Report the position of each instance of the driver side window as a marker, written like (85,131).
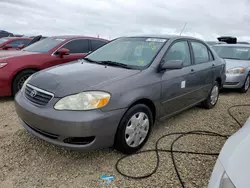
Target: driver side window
(77,46)
(179,51)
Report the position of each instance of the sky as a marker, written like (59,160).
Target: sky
(205,19)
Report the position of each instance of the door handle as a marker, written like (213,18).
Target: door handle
(192,71)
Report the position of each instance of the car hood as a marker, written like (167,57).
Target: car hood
(14,53)
(235,156)
(231,63)
(78,76)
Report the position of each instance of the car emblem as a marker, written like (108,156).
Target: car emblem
(33,93)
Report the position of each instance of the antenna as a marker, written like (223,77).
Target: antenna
(183,28)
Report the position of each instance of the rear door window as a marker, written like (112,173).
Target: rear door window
(78,46)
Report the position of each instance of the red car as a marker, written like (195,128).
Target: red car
(13,43)
(17,66)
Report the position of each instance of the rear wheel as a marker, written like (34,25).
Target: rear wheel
(134,129)
(213,96)
(20,79)
(245,87)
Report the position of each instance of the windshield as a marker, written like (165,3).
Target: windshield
(133,52)
(2,40)
(233,52)
(44,45)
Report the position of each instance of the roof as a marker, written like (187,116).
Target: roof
(75,36)
(234,45)
(13,38)
(164,36)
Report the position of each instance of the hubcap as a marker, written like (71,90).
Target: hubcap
(137,129)
(214,95)
(21,81)
(247,83)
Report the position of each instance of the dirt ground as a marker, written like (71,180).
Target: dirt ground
(26,161)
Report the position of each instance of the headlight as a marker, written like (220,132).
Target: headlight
(25,83)
(226,182)
(238,70)
(3,65)
(83,101)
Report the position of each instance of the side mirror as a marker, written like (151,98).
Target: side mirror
(63,51)
(172,64)
(21,46)
(7,46)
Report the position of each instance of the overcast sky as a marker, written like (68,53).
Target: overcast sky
(206,19)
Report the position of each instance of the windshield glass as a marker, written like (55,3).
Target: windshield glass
(44,45)
(233,52)
(2,40)
(133,52)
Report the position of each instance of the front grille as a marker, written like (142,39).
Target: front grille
(37,96)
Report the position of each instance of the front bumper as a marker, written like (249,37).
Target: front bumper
(234,81)
(217,174)
(72,129)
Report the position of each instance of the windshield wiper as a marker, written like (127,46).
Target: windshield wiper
(92,61)
(113,63)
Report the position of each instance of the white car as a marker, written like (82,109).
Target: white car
(232,169)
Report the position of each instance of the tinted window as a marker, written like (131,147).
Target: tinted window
(179,51)
(135,52)
(200,52)
(95,44)
(77,46)
(3,40)
(233,52)
(44,45)
(16,43)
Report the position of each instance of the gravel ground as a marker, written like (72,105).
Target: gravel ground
(26,161)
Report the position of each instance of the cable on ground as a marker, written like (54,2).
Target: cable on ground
(172,151)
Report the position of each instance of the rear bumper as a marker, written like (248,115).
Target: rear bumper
(234,81)
(95,129)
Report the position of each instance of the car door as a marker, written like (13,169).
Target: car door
(203,70)
(177,85)
(78,48)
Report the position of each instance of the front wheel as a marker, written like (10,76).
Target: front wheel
(245,87)
(134,129)
(20,79)
(213,96)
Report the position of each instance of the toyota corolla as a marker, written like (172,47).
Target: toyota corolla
(113,96)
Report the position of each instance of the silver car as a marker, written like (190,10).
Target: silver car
(113,96)
(237,57)
(232,166)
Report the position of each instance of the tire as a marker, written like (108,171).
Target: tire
(20,79)
(128,131)
(210,102)
(245,87)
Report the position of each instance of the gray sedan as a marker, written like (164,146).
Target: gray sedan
(113,96)
(237,57)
